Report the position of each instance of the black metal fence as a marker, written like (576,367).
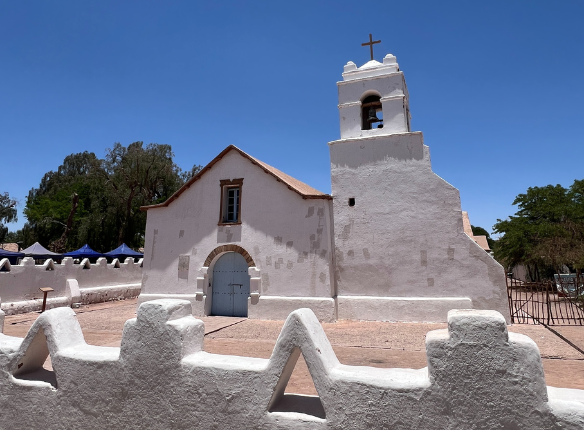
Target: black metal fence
(559,302)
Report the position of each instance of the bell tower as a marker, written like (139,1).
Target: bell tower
(401,253)
(373,99)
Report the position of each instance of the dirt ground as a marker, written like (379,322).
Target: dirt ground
(376,344)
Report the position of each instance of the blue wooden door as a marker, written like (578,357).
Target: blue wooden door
(230,286)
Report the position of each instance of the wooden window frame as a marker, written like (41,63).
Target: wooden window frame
(226,184)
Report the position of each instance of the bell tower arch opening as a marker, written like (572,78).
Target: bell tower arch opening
(373,99)
(371,112)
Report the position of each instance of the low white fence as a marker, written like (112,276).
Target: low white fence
(479,376)
(72,283)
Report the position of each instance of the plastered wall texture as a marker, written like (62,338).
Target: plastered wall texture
(287,237)
(479,376)
(72,283)
(403,239)
(398,254)
(373,79)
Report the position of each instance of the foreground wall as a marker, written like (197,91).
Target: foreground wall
(72,283)
(478,377)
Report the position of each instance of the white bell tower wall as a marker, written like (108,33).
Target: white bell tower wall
(384,80)
(401,253)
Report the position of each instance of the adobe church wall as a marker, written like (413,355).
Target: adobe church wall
(404,237)
(479,376)
(286,236)
(19,284)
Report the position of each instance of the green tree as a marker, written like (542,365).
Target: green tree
(138,176)
(50,206)
(546,233)
(14,237)
(7,213)
(97,201)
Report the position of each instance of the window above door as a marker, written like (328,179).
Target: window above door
(230,210)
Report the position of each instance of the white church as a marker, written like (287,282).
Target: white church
(242,238)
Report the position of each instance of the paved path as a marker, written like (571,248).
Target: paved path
(357,343)
(102,323)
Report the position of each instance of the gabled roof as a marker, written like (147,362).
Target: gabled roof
(5,253)
(123,251)
(84,251)
(13,247)
(305,191)
(482,242)
(36,250)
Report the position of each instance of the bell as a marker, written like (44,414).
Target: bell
(372,116)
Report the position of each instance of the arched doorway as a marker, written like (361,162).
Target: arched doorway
(230,286)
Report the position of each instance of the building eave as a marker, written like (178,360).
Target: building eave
(253,160)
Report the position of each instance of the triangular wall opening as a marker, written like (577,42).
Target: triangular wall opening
(295,391)
(35,364)
(5,265)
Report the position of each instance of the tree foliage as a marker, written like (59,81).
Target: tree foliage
(97,201)
(7,213)
(546,233)
(136,176)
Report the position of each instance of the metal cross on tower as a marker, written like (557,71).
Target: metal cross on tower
(370,44)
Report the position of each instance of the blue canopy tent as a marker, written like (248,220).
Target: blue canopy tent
(84,252)
(12,256)
(123,251)
(38,252)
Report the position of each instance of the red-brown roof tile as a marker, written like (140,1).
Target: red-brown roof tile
(306,191)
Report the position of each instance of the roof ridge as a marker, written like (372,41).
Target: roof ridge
(305,190)
(298,185)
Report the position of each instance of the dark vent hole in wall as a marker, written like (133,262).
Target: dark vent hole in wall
(351,201)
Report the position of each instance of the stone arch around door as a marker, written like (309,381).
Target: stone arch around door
(205,280)
(230,292)
(229,248)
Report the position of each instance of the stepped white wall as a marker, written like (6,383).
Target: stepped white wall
(19,284)
(401,252)
(479,376)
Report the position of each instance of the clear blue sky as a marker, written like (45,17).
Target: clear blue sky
(497,87)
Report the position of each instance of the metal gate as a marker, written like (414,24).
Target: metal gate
(548,303)
(230,286)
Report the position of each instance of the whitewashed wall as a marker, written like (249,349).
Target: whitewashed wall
(287,237)
(19,284)
(479,377)
(404,238)
(373,78)
(401,253)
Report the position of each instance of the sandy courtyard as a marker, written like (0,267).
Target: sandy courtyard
(376,344)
